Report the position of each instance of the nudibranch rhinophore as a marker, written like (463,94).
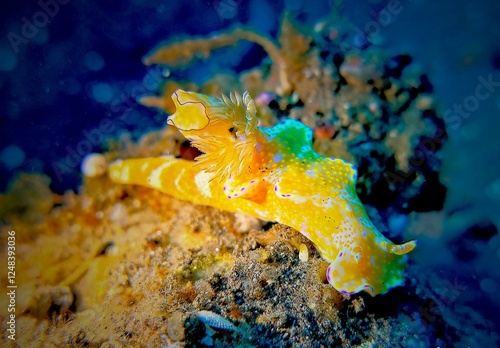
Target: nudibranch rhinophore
(273,174)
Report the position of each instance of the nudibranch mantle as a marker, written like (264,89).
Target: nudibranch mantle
(273,174)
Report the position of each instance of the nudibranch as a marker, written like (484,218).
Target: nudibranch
(275,175)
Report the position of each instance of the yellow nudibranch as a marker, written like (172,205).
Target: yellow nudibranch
(273,174)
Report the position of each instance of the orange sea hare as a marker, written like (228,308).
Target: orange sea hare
(273,174)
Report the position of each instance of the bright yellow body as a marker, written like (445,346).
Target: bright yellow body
(275,175)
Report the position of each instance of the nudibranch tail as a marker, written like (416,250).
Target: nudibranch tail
(179,178)
(166,174)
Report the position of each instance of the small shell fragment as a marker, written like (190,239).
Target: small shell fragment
(215,321)
(94,165)
(303,253)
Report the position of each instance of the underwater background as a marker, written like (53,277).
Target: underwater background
(67,66)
